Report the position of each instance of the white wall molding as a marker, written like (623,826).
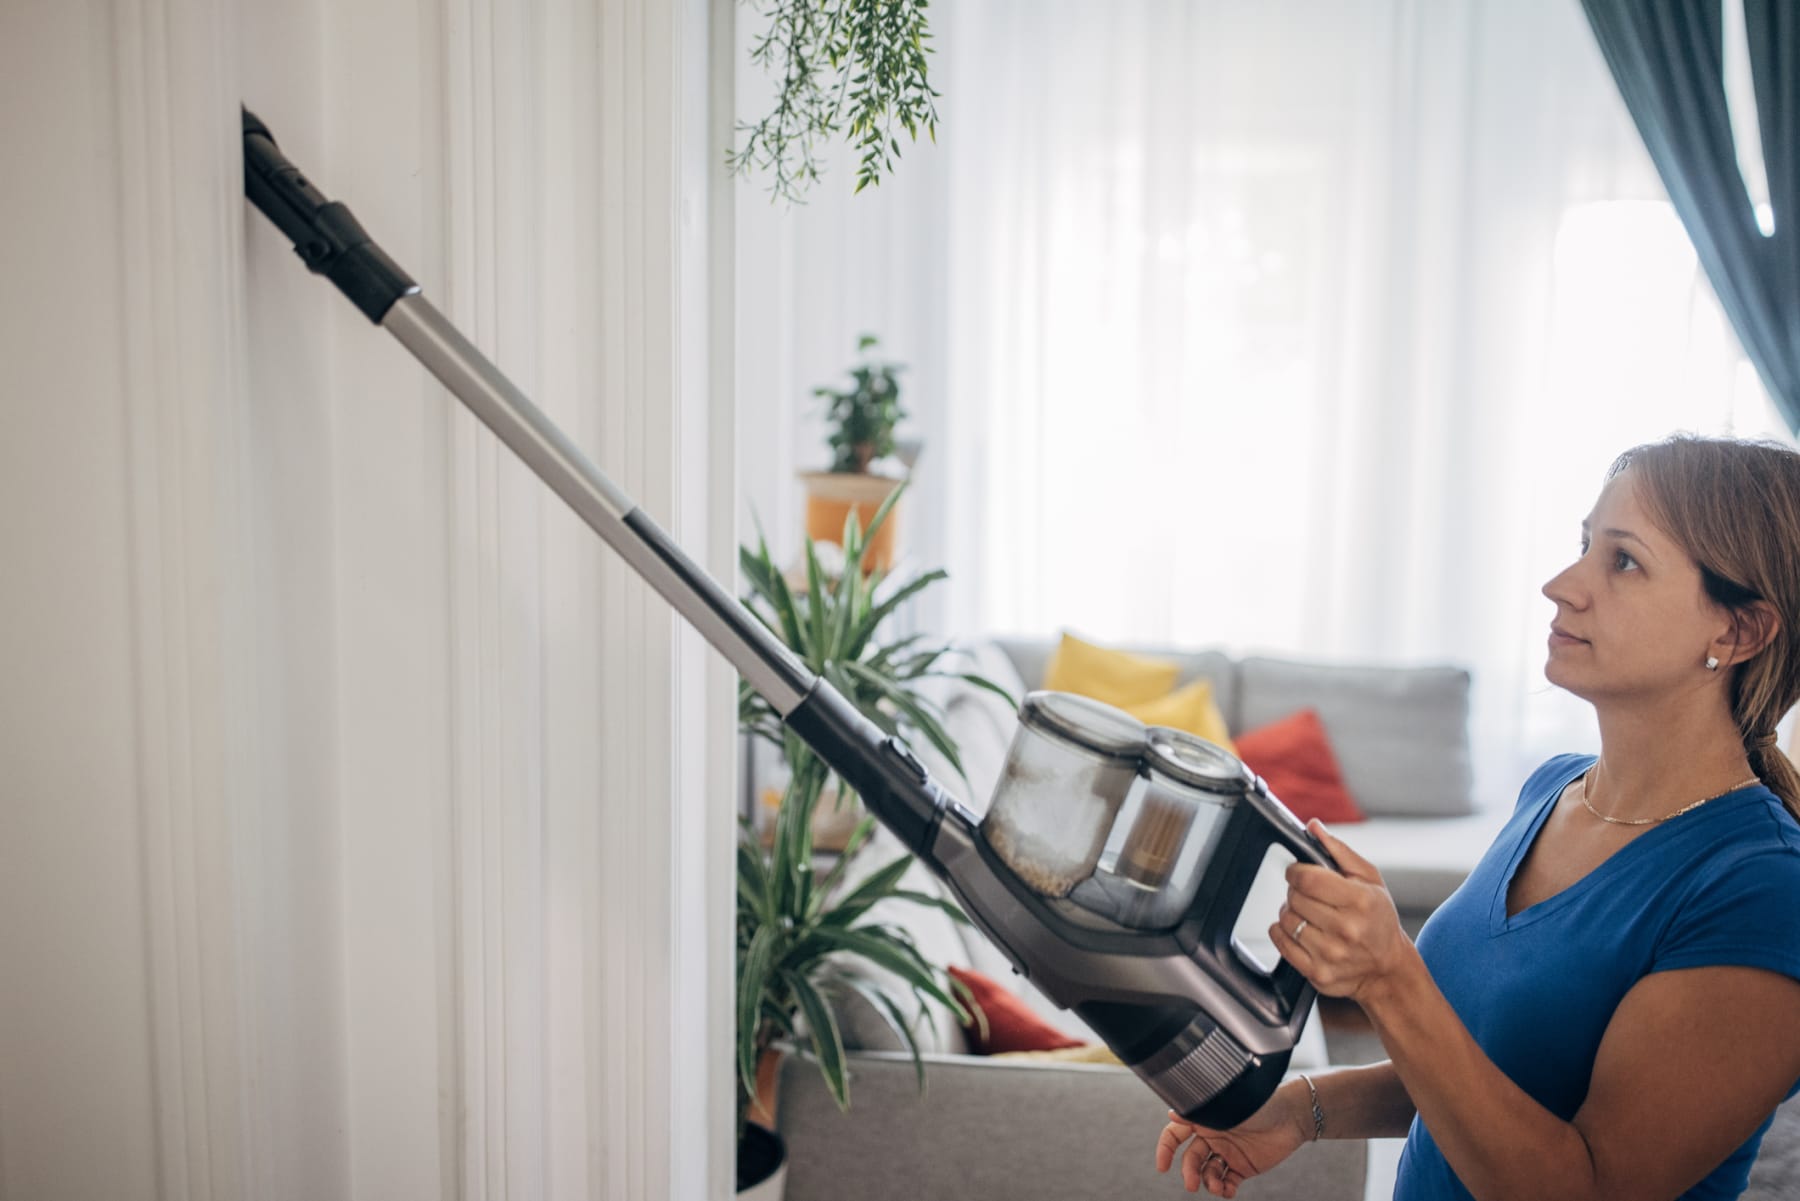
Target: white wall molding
(179,298)
(371,810)
(125,663)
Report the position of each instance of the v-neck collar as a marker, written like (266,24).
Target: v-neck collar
(1498,921)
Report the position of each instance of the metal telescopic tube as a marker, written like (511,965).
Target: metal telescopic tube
(326,235)
(763,660)
(330,241)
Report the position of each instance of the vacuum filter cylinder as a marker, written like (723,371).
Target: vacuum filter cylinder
(1189,788)
(1148,857)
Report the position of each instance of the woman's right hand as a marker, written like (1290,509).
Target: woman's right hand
(1221,1160)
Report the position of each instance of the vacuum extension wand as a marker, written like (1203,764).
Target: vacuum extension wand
(1176,998)
(884,773)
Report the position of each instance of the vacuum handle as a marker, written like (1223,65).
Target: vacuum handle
(1287,829)
(1282,828)
(1257,822)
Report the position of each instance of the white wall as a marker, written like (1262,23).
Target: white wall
(365,828)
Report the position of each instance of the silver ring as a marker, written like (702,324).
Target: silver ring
(1298,930)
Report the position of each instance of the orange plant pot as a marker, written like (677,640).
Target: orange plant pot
(830,495)
(765,1104)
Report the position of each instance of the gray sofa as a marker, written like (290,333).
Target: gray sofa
(996,1128)
(990,1130)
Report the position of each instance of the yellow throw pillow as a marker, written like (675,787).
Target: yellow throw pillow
(1191,708)
(1116,677)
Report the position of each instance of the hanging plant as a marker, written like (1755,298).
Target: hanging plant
(851,67)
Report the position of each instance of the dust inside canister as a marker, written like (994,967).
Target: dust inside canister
(1029,858)
(1049,826)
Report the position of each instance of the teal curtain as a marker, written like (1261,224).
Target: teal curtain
(1668,59)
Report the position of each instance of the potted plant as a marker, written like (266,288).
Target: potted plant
(862,420)
(800,934)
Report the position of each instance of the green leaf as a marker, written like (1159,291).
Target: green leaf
(791,866)
(753,979)
(984,683)
(892,654)
(912,588)
(753,884)
(896,954)
(878,886)
(931,902)
(889,1010)
(827,1040)
(865,829)
(974,1014)
(768,584)
(847,602)
(815,604)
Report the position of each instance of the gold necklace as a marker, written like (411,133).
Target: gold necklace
(1651,821)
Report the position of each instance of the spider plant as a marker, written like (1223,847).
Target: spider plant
(800,934)
(834,625)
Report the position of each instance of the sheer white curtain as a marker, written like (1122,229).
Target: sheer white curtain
(1306,327)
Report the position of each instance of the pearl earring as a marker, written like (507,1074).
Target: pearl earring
(1712,664)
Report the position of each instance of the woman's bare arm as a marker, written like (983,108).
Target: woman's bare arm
(1691,1064)
(1365,1102)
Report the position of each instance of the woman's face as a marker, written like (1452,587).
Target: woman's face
(1632,616)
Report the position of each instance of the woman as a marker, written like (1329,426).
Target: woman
(1610,1005)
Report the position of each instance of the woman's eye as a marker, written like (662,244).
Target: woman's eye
(1623,561)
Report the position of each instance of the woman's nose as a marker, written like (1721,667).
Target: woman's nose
(1564,586)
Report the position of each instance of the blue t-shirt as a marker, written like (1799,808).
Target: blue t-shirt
(1721,885)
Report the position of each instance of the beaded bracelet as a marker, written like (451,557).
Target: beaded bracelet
(1318,1113)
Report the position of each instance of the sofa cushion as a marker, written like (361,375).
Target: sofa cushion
(1423,861)
(1031,656)
(1005,1022)
(1116,677)
(1401,733)
(1189,708)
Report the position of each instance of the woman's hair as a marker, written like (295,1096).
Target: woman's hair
(1734,506)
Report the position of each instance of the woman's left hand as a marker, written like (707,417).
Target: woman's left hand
(1341,931)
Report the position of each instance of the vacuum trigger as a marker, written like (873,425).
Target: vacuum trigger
(899,752)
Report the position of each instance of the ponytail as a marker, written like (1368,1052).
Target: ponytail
(1777,771)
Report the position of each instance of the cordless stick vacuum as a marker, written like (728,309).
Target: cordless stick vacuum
(1114,859)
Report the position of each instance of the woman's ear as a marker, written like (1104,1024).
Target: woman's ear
(1753,627)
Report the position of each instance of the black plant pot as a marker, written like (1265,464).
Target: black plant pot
(760,1155)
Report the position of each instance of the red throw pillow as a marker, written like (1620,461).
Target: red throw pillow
(1011,1026)
(1295,757)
